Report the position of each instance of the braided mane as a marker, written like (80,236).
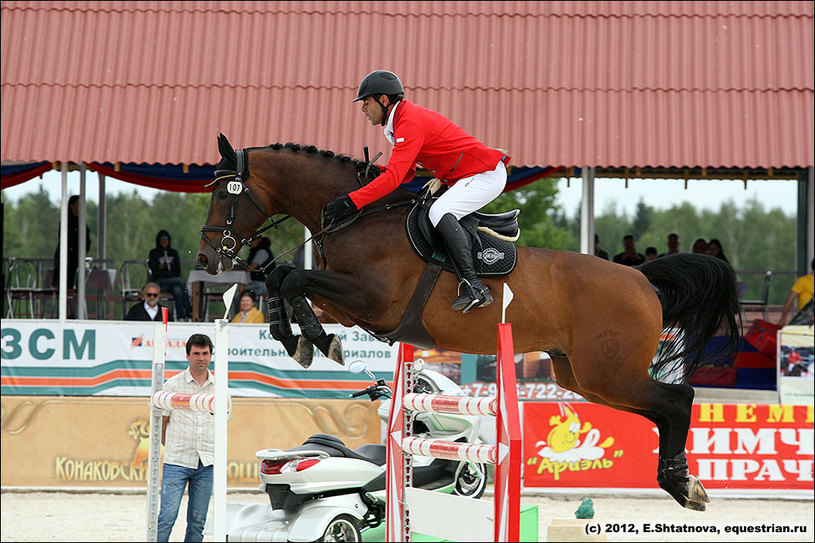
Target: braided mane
(311,149)
(229,157)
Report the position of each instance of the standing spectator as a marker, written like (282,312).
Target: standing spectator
(165,267)
(73,244)
(650,253)
(802,290)
(189,446)
(597,250)
(629,256)
(714,248)
(673,244)
(148,309)
(699,246)
(248,312)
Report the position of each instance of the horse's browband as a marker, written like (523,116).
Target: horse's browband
(239,174)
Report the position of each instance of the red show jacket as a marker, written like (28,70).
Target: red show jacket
(429,138)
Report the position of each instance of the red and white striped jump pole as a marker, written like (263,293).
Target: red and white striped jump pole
(179,401)
(506,455)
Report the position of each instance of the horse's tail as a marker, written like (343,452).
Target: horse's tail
(698,294)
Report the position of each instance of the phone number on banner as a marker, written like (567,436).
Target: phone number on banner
(526,391)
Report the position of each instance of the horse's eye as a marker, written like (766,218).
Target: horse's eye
(222,194)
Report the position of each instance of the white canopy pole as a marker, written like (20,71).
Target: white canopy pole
(82,249)
(101,221)
(63,246)
(307,250)
(587,213)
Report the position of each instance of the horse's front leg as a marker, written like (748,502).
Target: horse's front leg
(296,285)
(298,347)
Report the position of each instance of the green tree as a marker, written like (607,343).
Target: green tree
(753,238)
(642,219)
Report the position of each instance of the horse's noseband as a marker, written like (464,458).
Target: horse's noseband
(226,247)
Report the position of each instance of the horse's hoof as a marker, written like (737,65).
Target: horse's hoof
(335,351)
(290,343)
(695,506)
(304,355)
(690,495)
(696,492)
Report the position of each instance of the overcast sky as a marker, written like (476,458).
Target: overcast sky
(658,193)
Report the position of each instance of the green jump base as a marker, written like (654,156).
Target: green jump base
(528,531)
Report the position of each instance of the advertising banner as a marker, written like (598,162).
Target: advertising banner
(101,358)
(54,442)
(796,365)
(730,446)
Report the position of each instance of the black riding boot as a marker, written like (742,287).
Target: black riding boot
(473,291)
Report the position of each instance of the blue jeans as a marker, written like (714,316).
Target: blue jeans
(174,481)
(178,287)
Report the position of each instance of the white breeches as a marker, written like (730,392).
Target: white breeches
(470,194)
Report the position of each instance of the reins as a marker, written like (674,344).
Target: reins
(238,186)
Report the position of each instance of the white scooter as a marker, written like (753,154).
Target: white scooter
(323,491)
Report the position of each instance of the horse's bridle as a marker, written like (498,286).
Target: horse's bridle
(236,187)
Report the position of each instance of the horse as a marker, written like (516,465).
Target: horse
(601,323)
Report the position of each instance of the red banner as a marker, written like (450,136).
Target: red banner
(733,446)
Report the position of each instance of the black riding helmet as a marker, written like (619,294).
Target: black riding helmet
(380,82)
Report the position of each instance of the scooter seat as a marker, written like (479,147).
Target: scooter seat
(376,454)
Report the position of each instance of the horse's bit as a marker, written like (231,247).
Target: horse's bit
(236,187)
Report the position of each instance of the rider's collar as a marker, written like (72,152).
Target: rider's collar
(389,126)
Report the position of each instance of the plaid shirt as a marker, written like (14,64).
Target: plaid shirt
(190,435)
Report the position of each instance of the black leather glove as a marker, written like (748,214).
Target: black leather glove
(338,208)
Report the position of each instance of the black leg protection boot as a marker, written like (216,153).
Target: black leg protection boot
(279,326)
(473,292)
(312,330)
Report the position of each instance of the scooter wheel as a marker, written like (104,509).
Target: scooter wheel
(471,480)
(342,528)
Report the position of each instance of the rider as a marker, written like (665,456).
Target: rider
(476,172)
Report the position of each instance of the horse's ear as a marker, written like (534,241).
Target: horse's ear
(227,152)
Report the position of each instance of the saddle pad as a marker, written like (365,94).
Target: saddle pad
(491,256)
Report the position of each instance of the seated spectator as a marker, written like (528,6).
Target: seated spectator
(165,267)
(802,290)
(248,312)
(714,248)
(597,250)
(673,244)
(629,256)
(148,309)
(699,246)
(650,253)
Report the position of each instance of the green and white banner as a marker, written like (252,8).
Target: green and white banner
(101,358)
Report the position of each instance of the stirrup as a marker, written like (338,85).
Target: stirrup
(472,297)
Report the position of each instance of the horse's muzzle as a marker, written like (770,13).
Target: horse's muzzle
(212,262)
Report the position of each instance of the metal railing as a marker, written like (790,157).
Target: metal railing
(762,289)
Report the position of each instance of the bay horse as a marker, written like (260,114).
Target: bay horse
(600,322)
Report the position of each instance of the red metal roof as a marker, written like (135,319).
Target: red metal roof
(606,84)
